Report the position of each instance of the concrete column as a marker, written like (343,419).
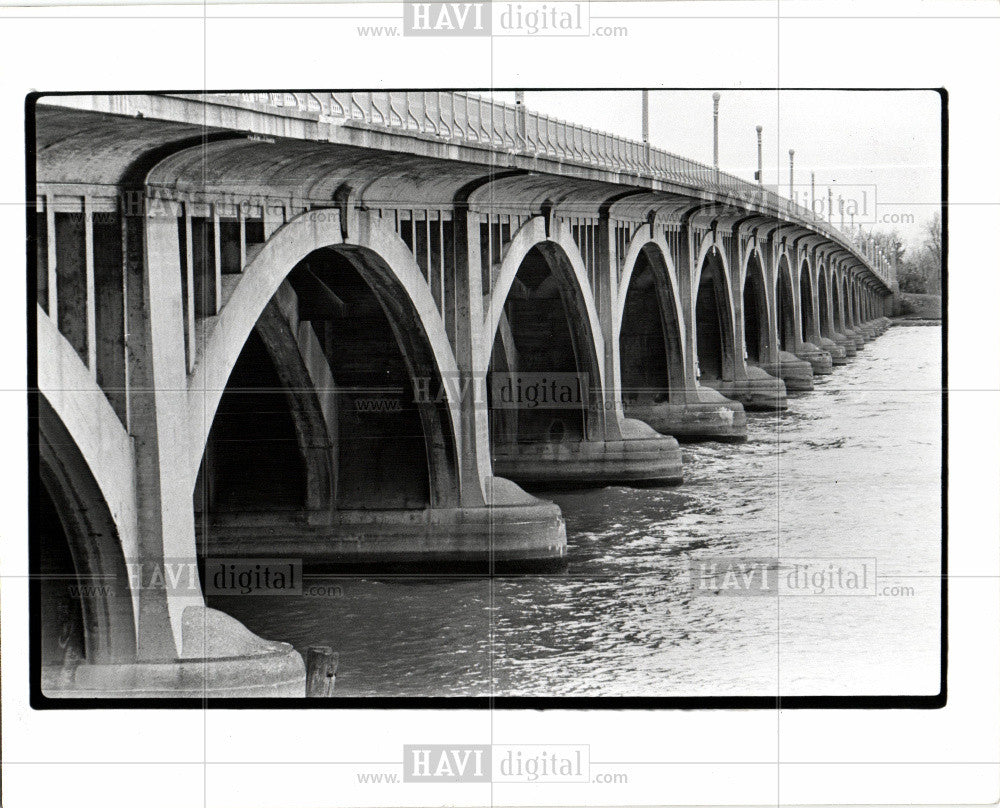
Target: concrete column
(606,300)
(159,428)
(686,270)
(242,219)
(217,255)
(795,266)
(475,464)
(816,332)
(91,295)
(189,288)
(50,231)
(736,297)
(769,268)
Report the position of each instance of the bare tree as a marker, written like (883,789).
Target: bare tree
(933,240)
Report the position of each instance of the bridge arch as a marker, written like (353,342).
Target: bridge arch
(83,581)
(826,325)
(807,311)
(376,274)
(785,305)
(377,251)
(715,334)
(849,311)
(836,294)
(542,320)
(564,253)
(756,309)
(648,326)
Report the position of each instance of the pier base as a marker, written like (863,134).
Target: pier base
(821,361)
(847,343)
(643,458)
(856,338)
(759,391)
(797,374)
(711,417)
(514,528)
(221,658)
(836,351)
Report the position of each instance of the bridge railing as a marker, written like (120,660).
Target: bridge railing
(473,119)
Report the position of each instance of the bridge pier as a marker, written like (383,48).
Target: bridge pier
(846,343)
(706,414)
(855,337)
(641,457)
(761,391)
(838,355)
(820,360)
(512,529)
(796,373)
(220,658)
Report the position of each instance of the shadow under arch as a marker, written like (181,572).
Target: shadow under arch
(81,581)
(650,334)
(808,314)
(386,440)
(756,313)
(785,307)
(544,338)
(838,309)
(826,326)
(714,329)
(849,314)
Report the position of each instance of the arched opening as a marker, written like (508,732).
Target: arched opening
(252,458)
(756,328)
(825,325)
(786,308)
(334,402)
(838,309)
(713,321)
(543,369)
(805,295)
(80,583)
(652,361)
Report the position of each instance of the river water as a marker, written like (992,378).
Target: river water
(852,470)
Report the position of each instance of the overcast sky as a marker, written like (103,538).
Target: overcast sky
(891,140)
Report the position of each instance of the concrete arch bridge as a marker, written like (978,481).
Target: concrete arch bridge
(359,328)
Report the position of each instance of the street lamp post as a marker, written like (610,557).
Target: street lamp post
(645,124)
(715,133)
(760,155)
(812,192)
(520,114)
(645,116)
(791,174)
(829,204)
